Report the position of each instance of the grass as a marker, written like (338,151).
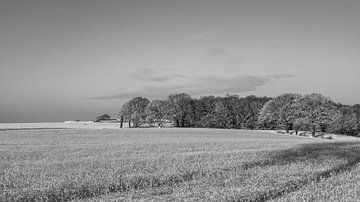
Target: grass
(175,164)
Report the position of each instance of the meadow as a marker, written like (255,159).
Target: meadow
(175,164)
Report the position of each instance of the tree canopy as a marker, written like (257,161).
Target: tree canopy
(289,111)
(134,110)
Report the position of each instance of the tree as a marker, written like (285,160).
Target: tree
(223,116)
(267,116)
(316,111)
(204,109)
(208,104)
(280,112)
(102,117)
(180,109)
(157,112)
(346,121)
(231,111)
(134,110)
(247,111)
(227,109)
(286,109)
(210,121)
(121,121)
(125,113)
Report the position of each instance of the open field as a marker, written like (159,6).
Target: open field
(175,164)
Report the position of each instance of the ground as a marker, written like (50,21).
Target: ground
(175,164)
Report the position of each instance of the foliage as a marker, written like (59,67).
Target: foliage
(346,122)
(267,116)
(210,121)
(315,111)
(157,112)
(180,109)
(280,112)
(134,110)
(289,111)
(232,111)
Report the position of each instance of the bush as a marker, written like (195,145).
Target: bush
(102,117)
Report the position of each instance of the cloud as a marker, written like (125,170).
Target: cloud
(126,95)
(226,56)
(205,36)
(274,43)
(226,85)
(207,42)
(215,85)
(234,61)
(216,50)
(148,92)
(154,75)
(280,76)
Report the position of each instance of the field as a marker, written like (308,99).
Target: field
(175,164)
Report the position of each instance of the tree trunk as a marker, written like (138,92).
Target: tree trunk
(121,121)
(313,128)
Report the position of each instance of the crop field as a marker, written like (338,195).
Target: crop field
(175,164)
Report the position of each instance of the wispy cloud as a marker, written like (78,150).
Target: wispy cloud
(216,50)
(154,75)
(280,76)
(274,43)
(207,41)
(234,60)
(205,36)
(237,84)
(223,54)
(203,86)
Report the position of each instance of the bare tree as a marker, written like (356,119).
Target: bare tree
(134,110)
(157,112)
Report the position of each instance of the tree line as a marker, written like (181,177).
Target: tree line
(230,111)
(312,112)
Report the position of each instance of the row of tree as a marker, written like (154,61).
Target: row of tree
(312,112)
(184,111)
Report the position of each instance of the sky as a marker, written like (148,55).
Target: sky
(76,59)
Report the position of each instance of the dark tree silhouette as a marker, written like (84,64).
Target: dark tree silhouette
(102,117)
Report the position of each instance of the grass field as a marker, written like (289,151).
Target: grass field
(175,164)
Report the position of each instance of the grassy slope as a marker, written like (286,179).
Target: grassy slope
(168,164)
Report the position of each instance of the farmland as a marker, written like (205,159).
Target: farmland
(175,164)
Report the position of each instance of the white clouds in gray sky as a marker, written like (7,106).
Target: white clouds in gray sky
(60,54)
(196,86)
